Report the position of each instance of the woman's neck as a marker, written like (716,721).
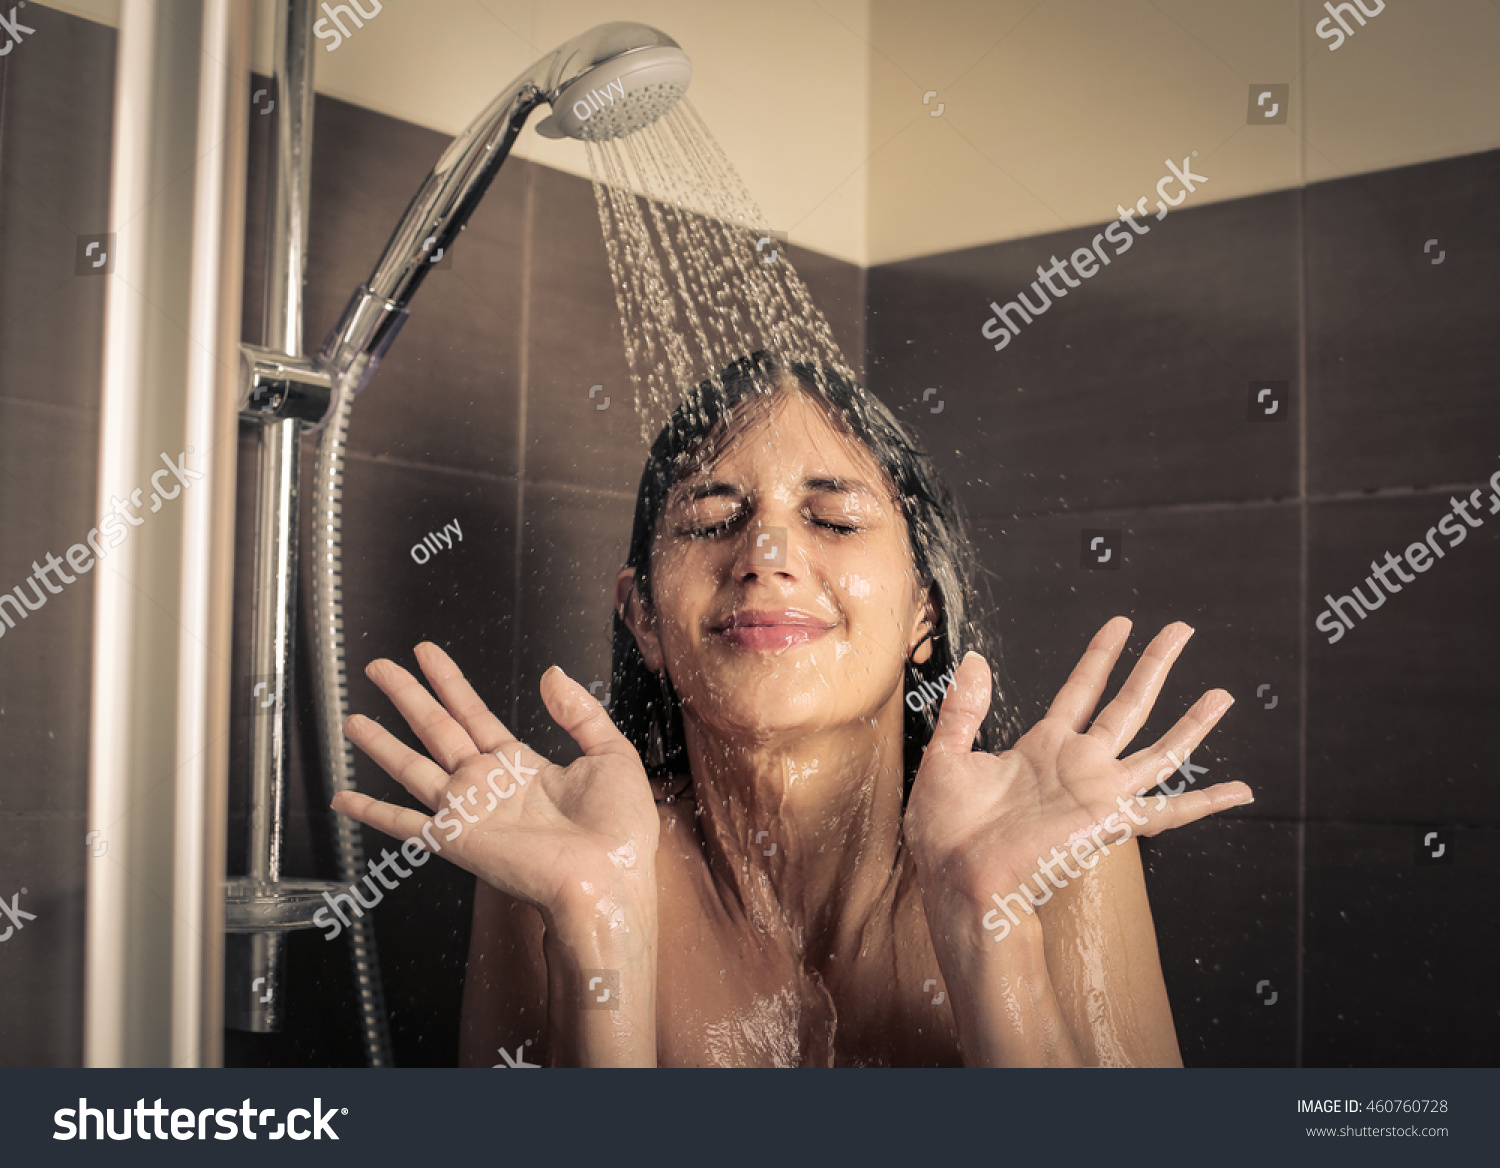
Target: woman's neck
(804,830)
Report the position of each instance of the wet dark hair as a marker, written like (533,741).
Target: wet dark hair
(644,705)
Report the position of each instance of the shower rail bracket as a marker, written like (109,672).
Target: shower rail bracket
(274,386)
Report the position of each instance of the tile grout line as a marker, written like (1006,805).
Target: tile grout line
(1300,499)
(559,485)
(77,413)
(528,223)
(1304,513)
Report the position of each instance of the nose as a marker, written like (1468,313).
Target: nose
(764,552)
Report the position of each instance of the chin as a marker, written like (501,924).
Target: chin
(799,674)
(751,722)
(763,694)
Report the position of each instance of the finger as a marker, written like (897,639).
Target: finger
(1079,695)
(417,773)
(397,822)
(579,713)
(447,741)
(1119,721)
(453,689)
(1180,741)
(964,708)
(1191,806)
(401,823)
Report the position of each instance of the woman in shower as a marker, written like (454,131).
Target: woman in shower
(778,849)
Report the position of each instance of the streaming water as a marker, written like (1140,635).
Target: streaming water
(699,280)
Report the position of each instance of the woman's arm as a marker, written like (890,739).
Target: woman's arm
(518,969)
(1075,979)
(1102,958)
(1004,1003)
(576,844)
(601,982)
(1077,984)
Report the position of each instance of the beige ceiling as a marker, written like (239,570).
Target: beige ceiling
(1052,111)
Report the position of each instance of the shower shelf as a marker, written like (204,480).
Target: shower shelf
(252,906)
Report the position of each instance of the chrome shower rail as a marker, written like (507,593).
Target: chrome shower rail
(284,392)
(605,83)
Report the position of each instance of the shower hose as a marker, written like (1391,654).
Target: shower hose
(333,709)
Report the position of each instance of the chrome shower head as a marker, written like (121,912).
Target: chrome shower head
(605,83)
(614,80)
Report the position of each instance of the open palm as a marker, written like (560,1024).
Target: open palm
(982,823)
(542,833)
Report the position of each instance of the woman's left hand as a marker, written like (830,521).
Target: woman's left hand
(981,824)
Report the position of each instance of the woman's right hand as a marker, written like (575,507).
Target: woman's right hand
(575,842)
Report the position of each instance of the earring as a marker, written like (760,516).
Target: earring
(927,636)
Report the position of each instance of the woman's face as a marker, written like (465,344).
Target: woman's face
(785,597)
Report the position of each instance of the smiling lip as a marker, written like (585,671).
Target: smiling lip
(756,631)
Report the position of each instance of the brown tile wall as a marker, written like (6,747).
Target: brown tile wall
(56,98)
(1125,407)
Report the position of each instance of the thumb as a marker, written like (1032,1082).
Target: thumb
(579,713)
(964,708)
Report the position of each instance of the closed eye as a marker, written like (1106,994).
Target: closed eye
(712,530)
(724,526)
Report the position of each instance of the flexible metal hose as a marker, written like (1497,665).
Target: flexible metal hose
(333,709)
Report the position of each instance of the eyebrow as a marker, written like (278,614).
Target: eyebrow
(815,484)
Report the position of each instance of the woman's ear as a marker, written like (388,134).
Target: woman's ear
(920,649)
(638,620)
